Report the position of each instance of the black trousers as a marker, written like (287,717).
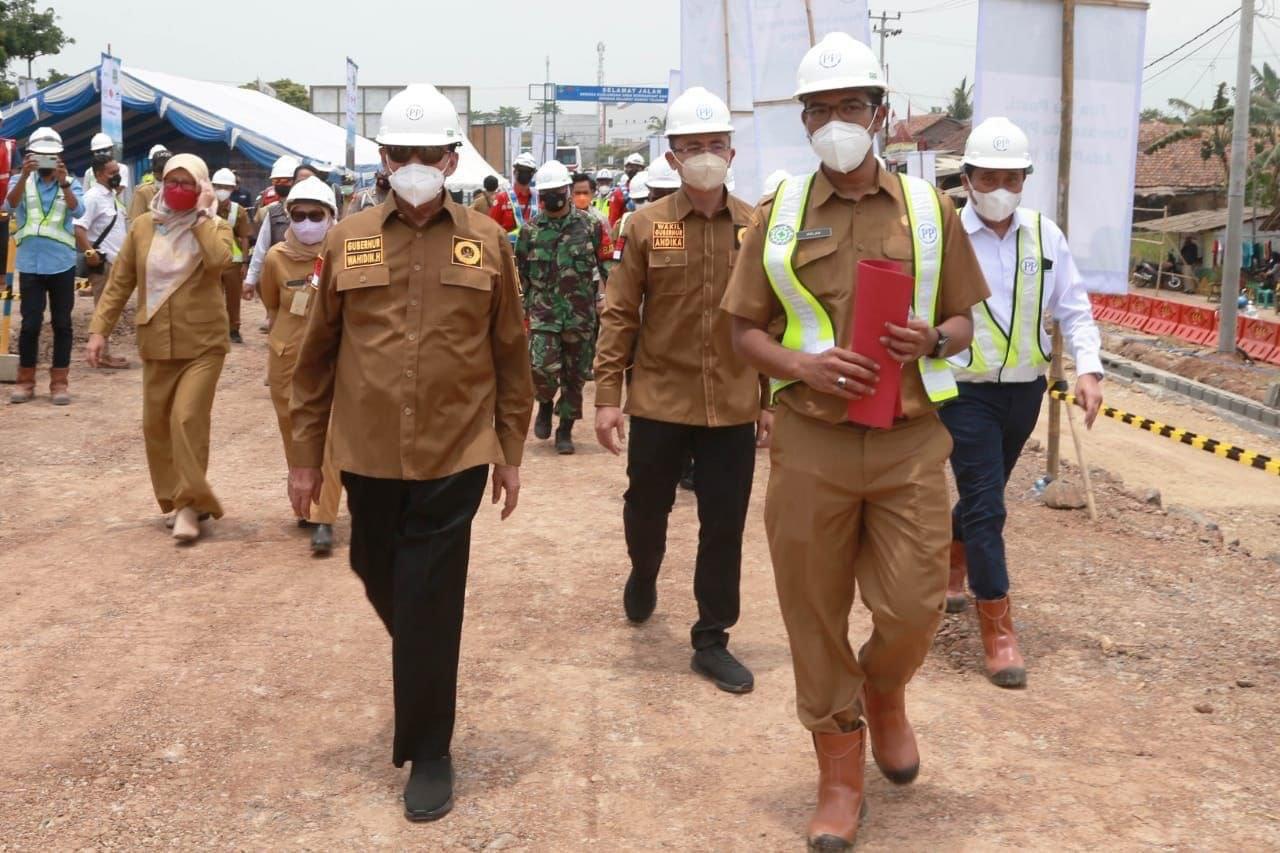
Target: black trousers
(725,459)
(410,544)
(59,292)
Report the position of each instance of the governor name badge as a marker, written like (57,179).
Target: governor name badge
(362,252)
(467,252)
(667,235)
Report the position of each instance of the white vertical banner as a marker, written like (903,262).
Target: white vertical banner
(1019,75)
(538,146)
(352,97)
(514,135)
(112,105)
(923,164)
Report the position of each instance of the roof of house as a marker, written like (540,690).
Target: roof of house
(1196,222)
(1178,167)
(938,131)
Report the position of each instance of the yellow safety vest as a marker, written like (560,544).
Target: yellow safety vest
(237,253)
(1020,353)
(809,328)
(42,223)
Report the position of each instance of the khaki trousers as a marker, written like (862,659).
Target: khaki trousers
(280,378)
(177,409)
(852,508)
(233,287)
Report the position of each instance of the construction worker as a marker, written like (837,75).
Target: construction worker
(558,256)
(281,178)
(100,234)
(690,392)
(371,197)
(149,186)
(638,195)
(273,221)
(620,201)
(287,295)
(174,256)
(483,201)
(604,190)
(101,146)
(1032,278)
(512,217)
(46,202)
(661,181)
(224,184)
(415,346)
(849,507)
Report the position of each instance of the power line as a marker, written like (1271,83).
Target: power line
(1190,40)
(1225,33)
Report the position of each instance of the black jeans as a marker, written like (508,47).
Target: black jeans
(59,291)
(989,424)
(410,544)
(725,459)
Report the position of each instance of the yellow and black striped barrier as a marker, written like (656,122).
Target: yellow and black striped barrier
(1183,436)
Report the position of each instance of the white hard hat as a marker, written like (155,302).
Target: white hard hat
(100,142)
(526,160)
(661,176)
(284,166)
(839,61)
(604,175)
(419,115)
(633,160)
(552,176)
(158,149)
(697,111)
(224,178)
(312,189)
(45,140)
(997,143)
(775,180)
(639,186)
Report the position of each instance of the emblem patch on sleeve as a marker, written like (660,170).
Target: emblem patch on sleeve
(362,252)
(467,252)
(739,234)
(667,235)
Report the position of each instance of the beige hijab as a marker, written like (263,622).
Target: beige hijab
(308,189)
(175,255)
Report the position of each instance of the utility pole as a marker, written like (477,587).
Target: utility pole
(1235,187)
(600,82)
(884,31)
(1056,373)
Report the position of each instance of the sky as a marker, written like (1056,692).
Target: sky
(500,46)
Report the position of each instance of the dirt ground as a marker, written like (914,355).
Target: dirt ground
(235,695)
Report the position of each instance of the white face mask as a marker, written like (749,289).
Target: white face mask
(841,146)
(997,205)
(309,233)
(222,195)
(704,171)
(417,184)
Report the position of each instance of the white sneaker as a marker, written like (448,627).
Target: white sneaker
(186,525)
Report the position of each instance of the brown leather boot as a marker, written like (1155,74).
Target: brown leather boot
(59,392)
(956,600)
(834,824)
(25,385)
(1005,666)
(893,743)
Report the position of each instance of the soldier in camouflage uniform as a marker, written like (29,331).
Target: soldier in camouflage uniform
(558,256)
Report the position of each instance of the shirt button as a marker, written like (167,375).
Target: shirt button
(417,235)
(859,247)
(412,336)
(408,411)
(417,267)
(409,373)
(364,278)
(413,303)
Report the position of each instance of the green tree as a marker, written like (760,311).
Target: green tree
(961,106)
(1157,114)
(292,93)
(546,107)
(1264,127)
(28,33)
(509,116)
(1211,125)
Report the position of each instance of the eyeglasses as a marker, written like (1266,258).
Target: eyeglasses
(718,148)
(424,153)
(304,215)
(850,110)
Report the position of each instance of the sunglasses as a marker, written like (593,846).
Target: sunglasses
(303,216)
(423,153)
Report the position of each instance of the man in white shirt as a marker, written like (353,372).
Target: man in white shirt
(100,233)
(1033,280)
(99,147)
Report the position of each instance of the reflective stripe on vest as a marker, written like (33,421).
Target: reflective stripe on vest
(1019,354)
(41,223)
(237,253)
(809,328)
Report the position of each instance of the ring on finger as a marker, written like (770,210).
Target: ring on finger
(841,381)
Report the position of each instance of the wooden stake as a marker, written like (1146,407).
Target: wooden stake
(1064,209)
(1084,465)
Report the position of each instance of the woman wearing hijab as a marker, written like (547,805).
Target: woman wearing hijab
(174,255)
(287,286)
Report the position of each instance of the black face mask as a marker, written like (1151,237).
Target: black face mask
(383,182)
(523,177)
(157,166)
(114,181)
(553,202)
(282,190)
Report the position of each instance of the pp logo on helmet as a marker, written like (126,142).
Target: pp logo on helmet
(1000,143)
(830,58)
(704,112)
(1030,266)
(413,112)
(928,233)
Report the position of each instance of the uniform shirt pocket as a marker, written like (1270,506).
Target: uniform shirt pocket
(668,271)
(474,278)
(362,277)
(897,247)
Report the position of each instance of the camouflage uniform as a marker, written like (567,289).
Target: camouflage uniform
(559,260)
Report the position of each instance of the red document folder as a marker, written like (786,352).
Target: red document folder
(883,295)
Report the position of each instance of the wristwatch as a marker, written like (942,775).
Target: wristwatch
(940,348)
(66,185)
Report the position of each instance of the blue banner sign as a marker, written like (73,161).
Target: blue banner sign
(613,94)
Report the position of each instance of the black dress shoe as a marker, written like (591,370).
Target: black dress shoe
(428,795)
(322,539)
(564,437)
(640,597)
(716,663)
(303,524)
(542,423)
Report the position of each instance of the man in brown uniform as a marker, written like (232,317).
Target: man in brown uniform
(484,199)
(690,392)
(416,346)
(850,507)
(147,189)
(224,184)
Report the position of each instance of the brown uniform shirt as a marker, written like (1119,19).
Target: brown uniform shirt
(242,230)
(482,203)
(141,201)
(287,298)
(663,299)
(193,320)
(416,343)
(875,226)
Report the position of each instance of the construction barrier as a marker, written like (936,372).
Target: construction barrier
(1209,445)
(1259,338)
(1166,315)
(1197,325)
(1138,311)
